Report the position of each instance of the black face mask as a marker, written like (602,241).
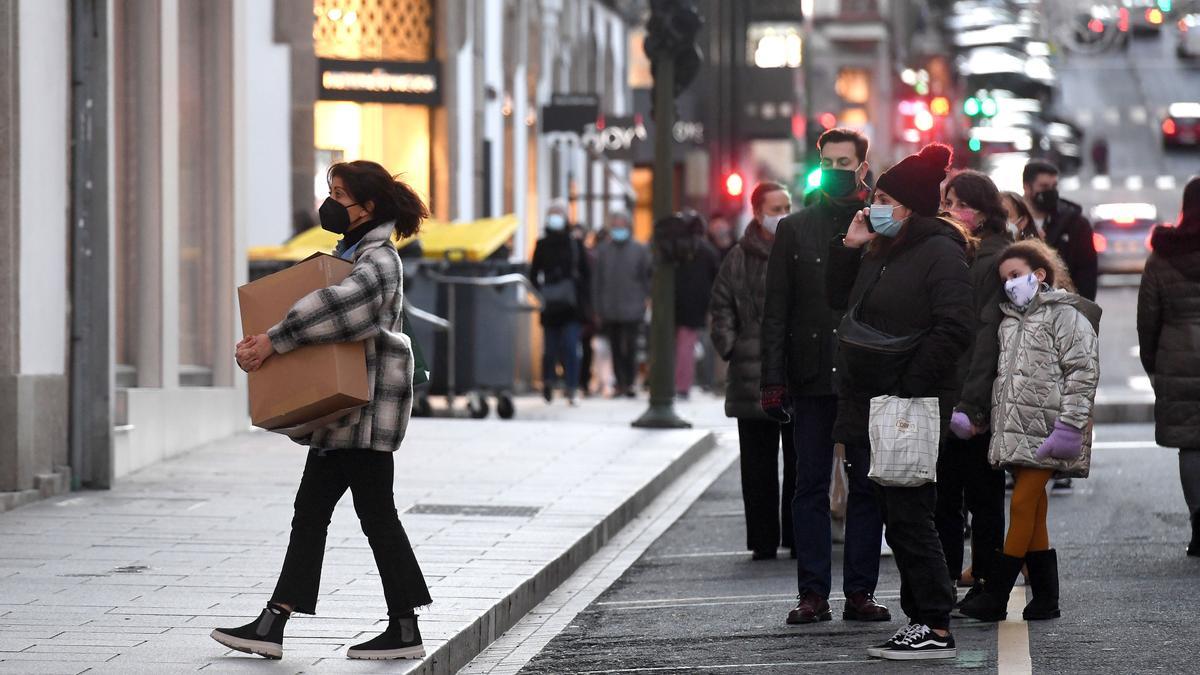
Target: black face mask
(335,217)
(1046,201)
(838,183)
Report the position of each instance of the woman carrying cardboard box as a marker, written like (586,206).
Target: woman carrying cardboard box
(365,205)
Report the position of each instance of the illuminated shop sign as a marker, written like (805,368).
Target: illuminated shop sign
(410,82)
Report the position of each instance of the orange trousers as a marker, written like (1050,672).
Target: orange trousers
(1027,514)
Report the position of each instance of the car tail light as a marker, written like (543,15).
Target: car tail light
(1123,20)
(1124,220)
(1183,27)
(1096,26)
(1154,15)
(1168,127)
(1100,243)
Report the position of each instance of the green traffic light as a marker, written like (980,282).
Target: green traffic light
(988,107)
(814,179)
(1164,5)
(971,107)
(974,145)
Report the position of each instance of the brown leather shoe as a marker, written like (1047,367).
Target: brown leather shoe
(811,609)
(861,606)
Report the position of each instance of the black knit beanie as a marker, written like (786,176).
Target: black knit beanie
(916,180)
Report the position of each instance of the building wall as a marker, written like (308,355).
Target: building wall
(268,133)
(44,185)
(33,387)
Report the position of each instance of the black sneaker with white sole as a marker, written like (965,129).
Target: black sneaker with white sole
(401,640)
(919,643)
(263,636)
(878,650)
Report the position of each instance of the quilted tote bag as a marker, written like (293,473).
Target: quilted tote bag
(904,433)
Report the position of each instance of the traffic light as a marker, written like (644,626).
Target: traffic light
(813,180)
(940,106)
(980,105)
(974,145)
(734,185)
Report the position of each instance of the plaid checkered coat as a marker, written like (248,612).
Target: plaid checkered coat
(365,306)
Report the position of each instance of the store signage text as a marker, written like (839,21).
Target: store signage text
(416,83)
(614,135)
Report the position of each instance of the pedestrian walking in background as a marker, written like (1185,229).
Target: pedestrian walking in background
(365,205)
(737,310)
(1042,404)
(1062,225)
(1168,322)
(1100,156)
(590,239)
(905,275)
(560,272)
(799,344)
(621,283)
(721,233)
(964,475)
(694,279)
(1020,220)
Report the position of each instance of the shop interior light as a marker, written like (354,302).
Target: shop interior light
(908,76)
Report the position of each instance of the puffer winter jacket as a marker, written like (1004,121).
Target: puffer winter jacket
(1168,323)
(1048,371)
(737,313)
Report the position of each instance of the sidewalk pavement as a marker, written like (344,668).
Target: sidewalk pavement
(133,579)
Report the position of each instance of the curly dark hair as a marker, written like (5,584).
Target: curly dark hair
(980,193)
(390,198)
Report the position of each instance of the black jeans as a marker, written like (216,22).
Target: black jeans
(622,337)
(965,477)
(766,506)
(813,420)
(926,595)
(368,475)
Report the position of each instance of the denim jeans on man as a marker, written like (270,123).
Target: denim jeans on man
(814,418)
(368,474)
(562,348)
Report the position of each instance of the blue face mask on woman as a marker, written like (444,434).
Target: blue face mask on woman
(883,222)
(621,234)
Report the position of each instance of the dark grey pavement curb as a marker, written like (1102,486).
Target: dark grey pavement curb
(1133,411)
(459,650)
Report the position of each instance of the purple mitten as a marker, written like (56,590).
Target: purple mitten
(1065,442)
(960,425)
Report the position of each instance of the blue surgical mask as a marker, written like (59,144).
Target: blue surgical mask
(556,221)
(883,222)
(621,234)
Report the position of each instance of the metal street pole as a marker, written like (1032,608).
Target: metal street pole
(661,413)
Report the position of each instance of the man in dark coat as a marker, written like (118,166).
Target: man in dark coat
(1168,322)
(799,343)
(694,279)
(1063,224)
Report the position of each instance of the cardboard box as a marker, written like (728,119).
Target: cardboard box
(312,386)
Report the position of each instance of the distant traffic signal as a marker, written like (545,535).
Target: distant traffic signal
(980,105)
(734,185)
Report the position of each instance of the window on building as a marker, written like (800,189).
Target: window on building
(640,76)
(774,45)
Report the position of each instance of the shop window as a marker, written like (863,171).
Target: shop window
(774,45)
(392,30)
(854,85)
(640,76)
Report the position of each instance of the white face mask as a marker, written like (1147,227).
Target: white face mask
(556,221)
(1022,290)
(771,223)
(1014,230)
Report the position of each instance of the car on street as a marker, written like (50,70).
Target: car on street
(1145,16)
(1181,126)
(1122,236)
(1010,69)
(1187,45)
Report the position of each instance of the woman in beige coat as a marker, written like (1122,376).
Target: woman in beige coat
(1041,417)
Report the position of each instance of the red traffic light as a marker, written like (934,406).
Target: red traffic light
(734,185)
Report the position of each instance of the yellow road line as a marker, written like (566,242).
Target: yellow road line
(1012,641)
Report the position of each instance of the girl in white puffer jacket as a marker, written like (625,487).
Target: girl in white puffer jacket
(1042,403)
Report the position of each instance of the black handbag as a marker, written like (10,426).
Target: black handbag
(874,360)
(563,295)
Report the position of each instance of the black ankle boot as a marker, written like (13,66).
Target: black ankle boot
(992,603)
(1194,547)
(263,636)
(401,640)
(1043,582)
